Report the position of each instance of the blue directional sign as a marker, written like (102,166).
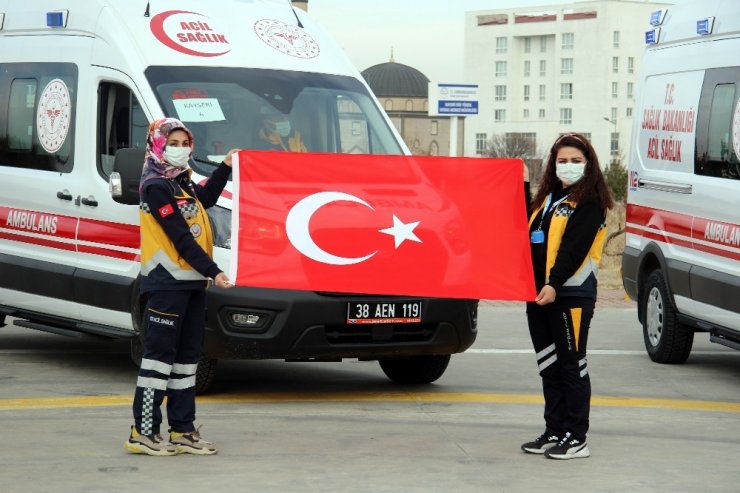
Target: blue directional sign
(453,99)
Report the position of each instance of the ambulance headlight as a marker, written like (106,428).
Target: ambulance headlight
(220,225)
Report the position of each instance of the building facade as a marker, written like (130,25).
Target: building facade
(544,71)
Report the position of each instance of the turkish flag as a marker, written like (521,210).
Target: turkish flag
(378,224)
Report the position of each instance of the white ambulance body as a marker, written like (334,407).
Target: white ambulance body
(82,79)
(682,257)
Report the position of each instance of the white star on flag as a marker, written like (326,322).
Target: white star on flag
(401,231)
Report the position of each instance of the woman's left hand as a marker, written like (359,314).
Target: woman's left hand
(227,158)
(546,296)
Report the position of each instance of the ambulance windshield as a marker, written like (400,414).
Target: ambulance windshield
(271,110)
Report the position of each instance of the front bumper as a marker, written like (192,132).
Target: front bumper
(305,325)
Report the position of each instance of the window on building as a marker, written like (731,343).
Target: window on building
(500,93)
(615,64)
(527,68)
(543,44)
(526,92)
(525,114)
(541,113)
(499,115)
(543,90)
(500,69)
(527,44)
(409,105)
(434,148)
(566,66)
(614,114)
(631,65)
(628,113)
(615,89)
(566,91)
(567,43)
(543,68)
(388,105)
(501,45)
(630,90)
(615,39)
(481,143)
(566,116)
(434,130)
(614,146)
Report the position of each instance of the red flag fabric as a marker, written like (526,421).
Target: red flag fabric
(378,224)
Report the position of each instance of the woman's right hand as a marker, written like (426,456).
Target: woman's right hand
(222,281)
(547,295)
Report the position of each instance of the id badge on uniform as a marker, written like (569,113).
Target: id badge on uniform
(537,236)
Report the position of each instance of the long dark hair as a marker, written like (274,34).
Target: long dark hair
(591,186)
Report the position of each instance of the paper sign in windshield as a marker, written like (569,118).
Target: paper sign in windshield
(199,110)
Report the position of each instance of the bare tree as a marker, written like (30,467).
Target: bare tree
(517,145)
(513,145)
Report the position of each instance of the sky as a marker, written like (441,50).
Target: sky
(425,34)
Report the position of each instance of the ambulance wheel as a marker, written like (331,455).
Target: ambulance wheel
(205,373)
(666,340)
(415,369)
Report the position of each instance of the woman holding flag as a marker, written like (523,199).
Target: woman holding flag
(567,232)
(176,268)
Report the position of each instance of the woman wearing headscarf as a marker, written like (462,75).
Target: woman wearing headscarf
(176,268)
(567,231)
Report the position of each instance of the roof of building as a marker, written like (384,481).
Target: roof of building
(393,79)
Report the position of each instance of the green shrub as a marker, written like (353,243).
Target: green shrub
(616,177)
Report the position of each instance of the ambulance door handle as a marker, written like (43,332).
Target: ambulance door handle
(65,195)
(89,201)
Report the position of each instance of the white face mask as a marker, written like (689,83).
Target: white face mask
(283,128)
(569,173)
(177,156)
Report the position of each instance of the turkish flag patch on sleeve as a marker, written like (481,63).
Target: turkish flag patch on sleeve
(166,210)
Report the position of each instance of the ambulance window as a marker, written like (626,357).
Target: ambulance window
(121,123)
(719,158)
(20,114)
(40,115)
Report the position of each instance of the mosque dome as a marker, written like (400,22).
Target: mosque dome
(393,79)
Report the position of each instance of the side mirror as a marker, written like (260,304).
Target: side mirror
(124,180)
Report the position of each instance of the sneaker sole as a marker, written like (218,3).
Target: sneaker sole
(184,449)
(540,450)
(143,449)
(581,454)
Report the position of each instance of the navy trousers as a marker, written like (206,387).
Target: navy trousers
(174,341)
(559,332)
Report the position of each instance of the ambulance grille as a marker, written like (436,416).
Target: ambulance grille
(379,333)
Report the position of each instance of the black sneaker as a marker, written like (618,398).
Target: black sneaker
(568,448)
(541,443)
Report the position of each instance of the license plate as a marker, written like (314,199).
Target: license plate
(384,312)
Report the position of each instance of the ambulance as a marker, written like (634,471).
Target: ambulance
(681,262)
(80,82)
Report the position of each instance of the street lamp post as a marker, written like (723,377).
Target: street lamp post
(613,122)
(613,150)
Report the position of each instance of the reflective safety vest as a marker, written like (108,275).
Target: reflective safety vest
(590,265)
(158,250)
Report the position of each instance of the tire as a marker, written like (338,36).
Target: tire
(205,374)
(415,369)
(666,340)
(206,371)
